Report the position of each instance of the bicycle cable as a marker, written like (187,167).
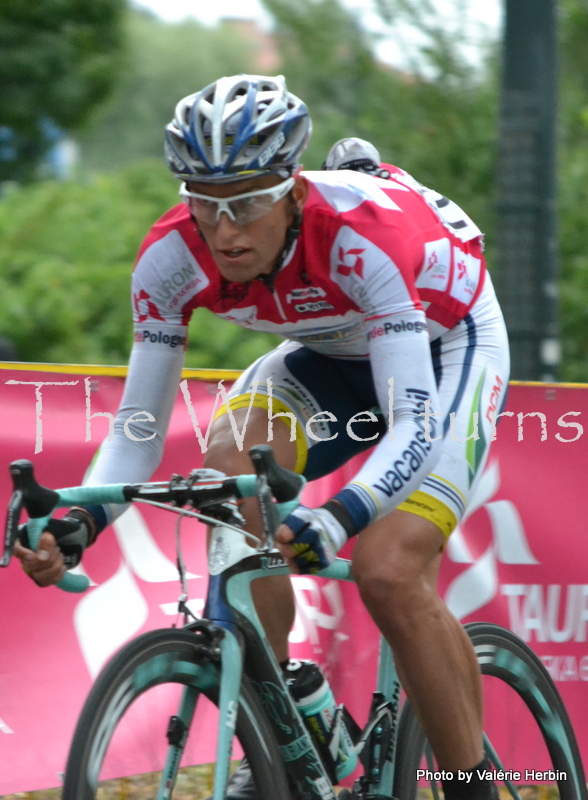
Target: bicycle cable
(203,518)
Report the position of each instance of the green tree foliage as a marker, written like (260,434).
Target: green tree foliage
(61,245)
(436,119)
(165,63)
(58,60)
(67,252)
(328,61)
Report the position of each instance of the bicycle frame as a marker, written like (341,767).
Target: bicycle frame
(245,649)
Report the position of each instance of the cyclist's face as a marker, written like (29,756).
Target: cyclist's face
(242,252)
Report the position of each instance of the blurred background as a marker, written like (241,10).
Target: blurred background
(88,87)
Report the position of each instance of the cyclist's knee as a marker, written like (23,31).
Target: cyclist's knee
(223,452)
(385,585)
(230,441)
(395,564)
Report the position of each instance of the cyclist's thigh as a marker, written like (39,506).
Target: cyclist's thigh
(315,396)
(471,364)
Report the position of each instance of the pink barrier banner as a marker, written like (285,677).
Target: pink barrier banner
(520,560)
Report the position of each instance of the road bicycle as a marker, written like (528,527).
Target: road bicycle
(156,698)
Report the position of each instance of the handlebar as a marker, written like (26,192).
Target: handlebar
(270,482)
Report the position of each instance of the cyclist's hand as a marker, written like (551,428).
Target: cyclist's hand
(308,537)
(45,565)
(60,548)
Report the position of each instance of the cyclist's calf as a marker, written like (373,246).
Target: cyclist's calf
(396,562)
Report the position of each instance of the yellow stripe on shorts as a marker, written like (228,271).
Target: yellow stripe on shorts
(423,505)
(262,401)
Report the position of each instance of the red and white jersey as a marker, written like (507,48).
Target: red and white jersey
(369,247)
(381,267)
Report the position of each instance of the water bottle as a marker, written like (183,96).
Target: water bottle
(314,699)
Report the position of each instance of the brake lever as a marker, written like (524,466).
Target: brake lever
(270,514)
(39,502)
(11,526)
(263,461)
(26,492)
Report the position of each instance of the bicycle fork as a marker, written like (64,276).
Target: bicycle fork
(221,646)
(177,734)
(297,748)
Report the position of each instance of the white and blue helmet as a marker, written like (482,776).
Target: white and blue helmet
(236,128)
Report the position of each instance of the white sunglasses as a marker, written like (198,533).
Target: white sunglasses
(241,208)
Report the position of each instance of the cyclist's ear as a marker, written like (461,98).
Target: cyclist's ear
(300,190)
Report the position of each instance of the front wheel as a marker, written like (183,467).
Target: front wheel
(151,715)
(514,676)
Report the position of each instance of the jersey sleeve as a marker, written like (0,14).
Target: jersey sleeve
(375,265)
(406,390)
(142,420)
(166,281)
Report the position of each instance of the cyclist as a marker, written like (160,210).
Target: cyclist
(395,342)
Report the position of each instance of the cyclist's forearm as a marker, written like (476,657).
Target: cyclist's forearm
(399,463)
(141,424)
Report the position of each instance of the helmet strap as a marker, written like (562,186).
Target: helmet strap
(292,234)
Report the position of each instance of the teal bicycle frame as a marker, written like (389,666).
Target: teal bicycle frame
(244,647)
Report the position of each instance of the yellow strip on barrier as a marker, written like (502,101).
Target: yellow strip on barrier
(113,371)
(197,374)
(549,385)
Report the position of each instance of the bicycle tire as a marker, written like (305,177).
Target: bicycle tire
(503,655)
(116,690)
